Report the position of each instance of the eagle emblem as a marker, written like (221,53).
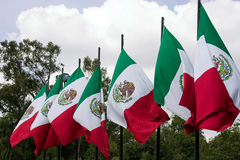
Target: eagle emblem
(67,96)
(27,112)
(46,107)
(97,108)
(223,67)
(122,92)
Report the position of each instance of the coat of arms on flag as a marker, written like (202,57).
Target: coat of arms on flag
(223,67)
(122,92)
(67,96)
(97,108)
(27,112)
(46,107)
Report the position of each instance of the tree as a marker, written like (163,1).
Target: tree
(225,146)
(26,67)
(89,67)
(175,143)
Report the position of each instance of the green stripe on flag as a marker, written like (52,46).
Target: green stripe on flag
(78,73)
(94,86)
(56,87)
(123,62)
(167,65)
(206,28)
(42,91)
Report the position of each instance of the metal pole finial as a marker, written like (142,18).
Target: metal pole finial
(99,50)
(122,41)
(79,62)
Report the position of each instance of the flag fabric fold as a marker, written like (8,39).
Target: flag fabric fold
(42,132)
(216,77)
(61,113)
(22,130)
(173,80)
(130,100)
(90,113)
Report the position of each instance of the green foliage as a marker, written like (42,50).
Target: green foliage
(89,67)
(25,67)
(51,153)
(225,146)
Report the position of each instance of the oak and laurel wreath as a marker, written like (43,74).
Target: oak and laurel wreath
(181,82)
(97,113)
(45,106)
(230,67)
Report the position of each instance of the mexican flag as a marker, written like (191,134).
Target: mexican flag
(22,130)
(216,78)
(130,100)
(42,132)
(173,80)
(61,113)
(90,113)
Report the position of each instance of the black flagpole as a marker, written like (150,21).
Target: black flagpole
(158,129)
(96,152)
(121,128)
(44,154)
(44,151)
(60,144)
(76,141)
(197,132)
(76,149)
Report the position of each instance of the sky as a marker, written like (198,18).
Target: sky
(79,27)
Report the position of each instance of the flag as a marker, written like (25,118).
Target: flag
(130,100)
(42,132)
(22,130)
(61,113)
(216,77)
(173,80)
(90,113)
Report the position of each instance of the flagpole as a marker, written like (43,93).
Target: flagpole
(76,141)
(44,154)
(121,128)
(96,152)
(197,132)
(76,149)
(60,144)
(158,129)
(44,151)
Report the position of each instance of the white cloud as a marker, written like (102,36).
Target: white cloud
(79,34)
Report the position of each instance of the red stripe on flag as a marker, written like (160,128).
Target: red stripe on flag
(190,125)
(188,96)
(99,137)
(188,101)
(144,117)
(66,127)
(22,132)
(215,108)
(44,137)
